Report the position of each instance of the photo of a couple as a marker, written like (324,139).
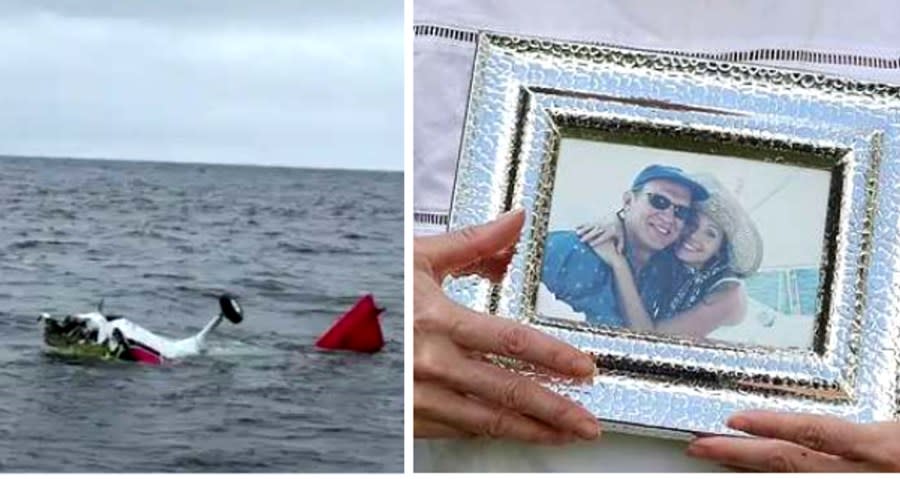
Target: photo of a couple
(675,251)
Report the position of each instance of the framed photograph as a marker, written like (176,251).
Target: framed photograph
(742,265)
(720,236)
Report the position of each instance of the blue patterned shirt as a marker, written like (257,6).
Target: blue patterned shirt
(577,276)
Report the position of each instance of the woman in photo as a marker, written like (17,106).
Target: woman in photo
(704,290)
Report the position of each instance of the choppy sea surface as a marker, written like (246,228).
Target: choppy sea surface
(158,242)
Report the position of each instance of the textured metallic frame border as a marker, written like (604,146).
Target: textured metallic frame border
(528,94)
(466,35)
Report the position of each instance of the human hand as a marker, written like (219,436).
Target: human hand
(457,392)
(605,239)
(803,442)
(609,252)
(599,233)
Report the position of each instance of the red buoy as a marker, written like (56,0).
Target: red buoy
(357,330)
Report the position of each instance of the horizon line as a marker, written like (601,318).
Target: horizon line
(202,163)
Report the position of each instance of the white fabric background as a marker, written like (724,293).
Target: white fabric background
(442,68)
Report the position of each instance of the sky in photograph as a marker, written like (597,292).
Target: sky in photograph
(287,83)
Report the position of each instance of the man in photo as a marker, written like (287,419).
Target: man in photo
(654,214)
(703,288)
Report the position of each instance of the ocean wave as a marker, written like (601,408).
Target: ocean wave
(175,276)
(294,273)
(266,284)
(316,249)
(36,243)
(57,213)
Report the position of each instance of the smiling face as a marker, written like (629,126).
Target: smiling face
(651,227)
(704,243)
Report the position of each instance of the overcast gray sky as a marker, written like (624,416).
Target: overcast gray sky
(298,83)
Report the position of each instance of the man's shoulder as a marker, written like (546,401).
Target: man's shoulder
(570,242)
(566,253)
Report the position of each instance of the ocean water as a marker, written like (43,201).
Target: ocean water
(158,242)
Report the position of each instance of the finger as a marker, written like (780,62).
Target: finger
(562,437)
(431,429)
(604,238)
(767,455)
(460,248)
(883,449)
(443,405)
(592,235)
(493,267)
(819,433)
(608,235)
(586,231)
(491,334)
(600,244)
(522,395)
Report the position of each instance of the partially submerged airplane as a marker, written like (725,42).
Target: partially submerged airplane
(115,337)
(104,336)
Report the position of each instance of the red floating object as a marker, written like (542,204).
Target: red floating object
(357,330)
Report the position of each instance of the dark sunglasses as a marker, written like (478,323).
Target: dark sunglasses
(662,203)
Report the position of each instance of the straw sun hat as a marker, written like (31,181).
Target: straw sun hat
(725,210)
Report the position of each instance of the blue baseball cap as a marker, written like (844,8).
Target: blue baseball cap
(671,173)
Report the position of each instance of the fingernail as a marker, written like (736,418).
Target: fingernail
(695,449)
(511,212)
(738,422)
(588,429)
(583,366)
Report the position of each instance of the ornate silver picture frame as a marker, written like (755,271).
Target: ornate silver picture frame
(530,98)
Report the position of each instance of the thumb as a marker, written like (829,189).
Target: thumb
(460,248)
